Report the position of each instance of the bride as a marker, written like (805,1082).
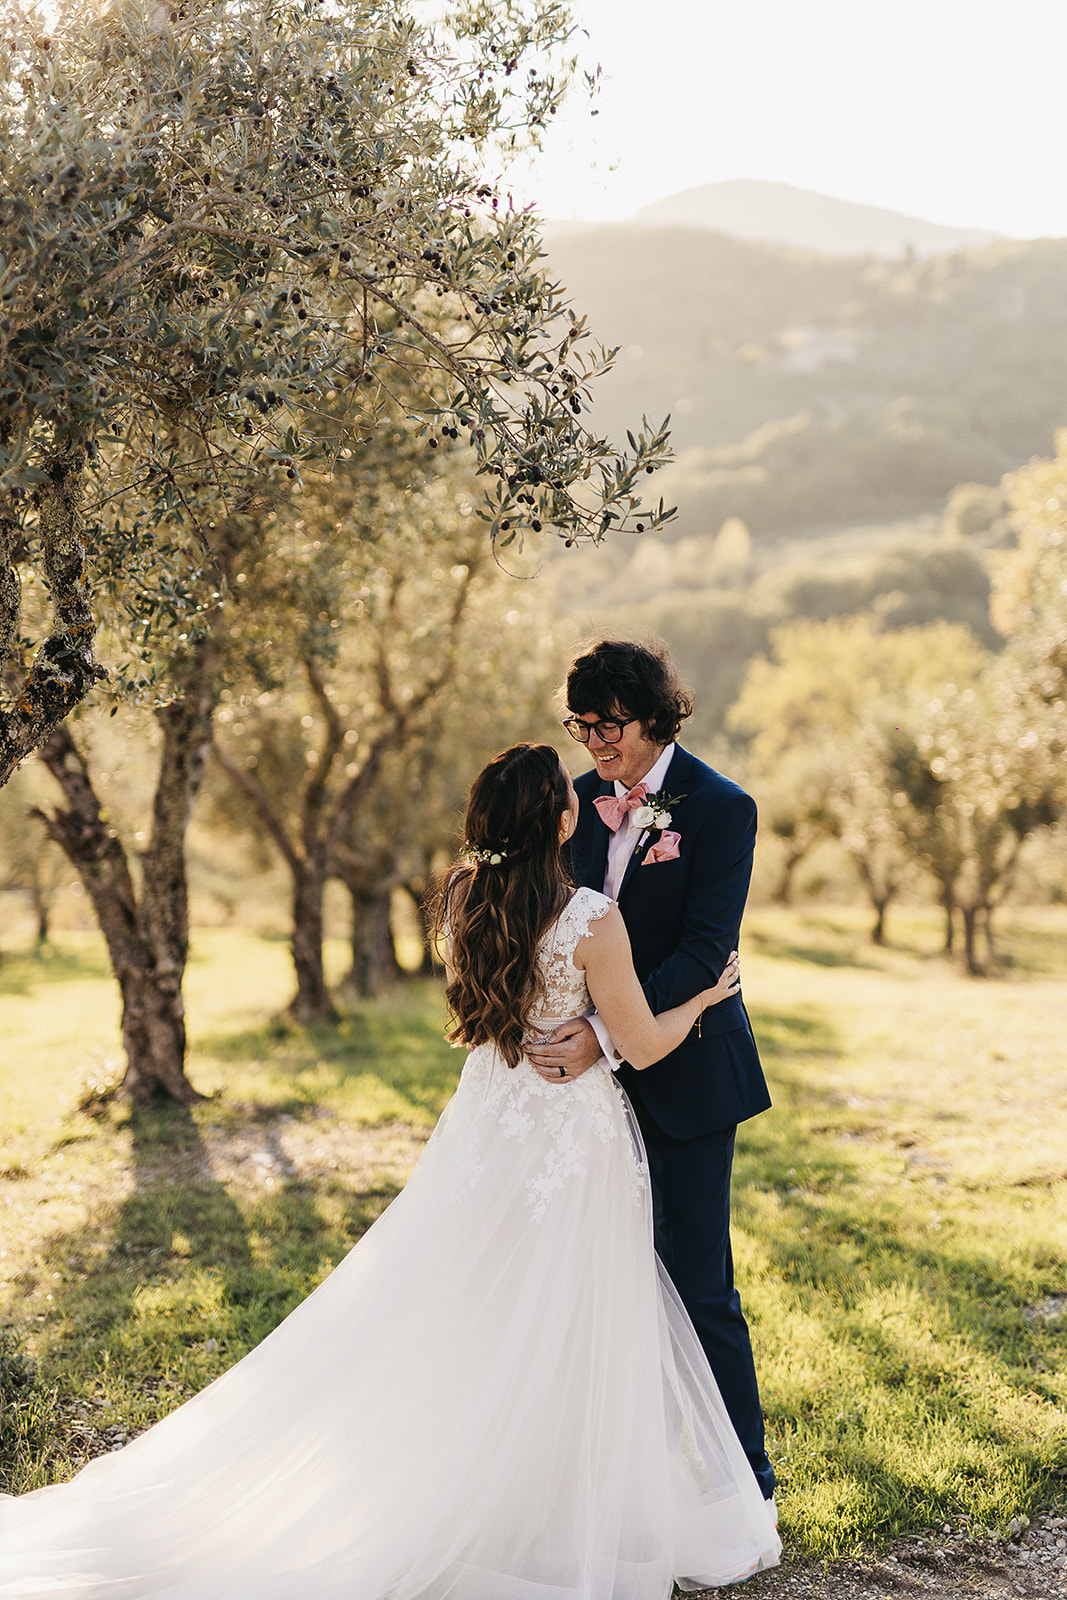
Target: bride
(497,1395)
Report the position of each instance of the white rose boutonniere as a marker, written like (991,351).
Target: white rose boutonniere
(656,811)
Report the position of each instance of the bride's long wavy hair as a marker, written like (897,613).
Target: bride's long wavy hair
(495,910)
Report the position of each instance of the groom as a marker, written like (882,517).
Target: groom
(671,840)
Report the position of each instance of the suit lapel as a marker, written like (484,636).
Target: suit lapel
(599,836)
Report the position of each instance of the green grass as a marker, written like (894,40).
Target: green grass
(900,1228)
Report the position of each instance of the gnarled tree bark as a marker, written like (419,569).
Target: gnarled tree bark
(63,670)
(147,935)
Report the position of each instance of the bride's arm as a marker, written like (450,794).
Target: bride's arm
(640,1037)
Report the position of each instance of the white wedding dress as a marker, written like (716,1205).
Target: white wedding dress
(496,1396)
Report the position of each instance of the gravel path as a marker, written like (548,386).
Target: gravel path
(951,1565)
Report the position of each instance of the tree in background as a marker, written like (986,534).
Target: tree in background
(977,782)
(29,862)
(823,716)
(1030,597)
(349,652)
(409,826)
(987,766)
(917,793)
(864,811)
(361,657)
(211,220)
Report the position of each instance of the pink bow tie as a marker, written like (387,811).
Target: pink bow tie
(614,812)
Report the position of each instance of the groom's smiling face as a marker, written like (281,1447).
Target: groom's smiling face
(629,760)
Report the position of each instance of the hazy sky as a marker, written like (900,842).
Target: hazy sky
(952,110)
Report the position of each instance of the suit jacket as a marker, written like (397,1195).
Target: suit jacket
(684,918)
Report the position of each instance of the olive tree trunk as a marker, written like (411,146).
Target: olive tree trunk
(782,894)
(312,1002)
(374,964)
(882,888)
(147,934)
(309,845)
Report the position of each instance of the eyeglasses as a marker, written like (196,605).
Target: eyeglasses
(608,731)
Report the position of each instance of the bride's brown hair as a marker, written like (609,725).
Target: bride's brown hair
(497,909)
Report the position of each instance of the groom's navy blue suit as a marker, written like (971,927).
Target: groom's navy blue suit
(683,918)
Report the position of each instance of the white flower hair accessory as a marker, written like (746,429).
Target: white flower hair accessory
(485,858)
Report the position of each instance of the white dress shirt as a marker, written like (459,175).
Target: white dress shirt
(621,846)
(626,839)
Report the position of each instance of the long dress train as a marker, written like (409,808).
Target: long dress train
(496,1396)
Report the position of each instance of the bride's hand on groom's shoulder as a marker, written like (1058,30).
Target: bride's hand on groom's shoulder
(573,1046)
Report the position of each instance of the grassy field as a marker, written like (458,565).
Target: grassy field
(900,1231)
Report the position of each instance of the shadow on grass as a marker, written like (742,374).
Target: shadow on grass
(397,1042)
(781,1035)
(838,1224)
(184,1280)
(1029,951)
(777,947)
(25,972)
(176,1213)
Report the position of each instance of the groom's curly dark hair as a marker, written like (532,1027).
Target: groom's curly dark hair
(639,680)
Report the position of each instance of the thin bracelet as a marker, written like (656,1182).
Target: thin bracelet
(700,1013)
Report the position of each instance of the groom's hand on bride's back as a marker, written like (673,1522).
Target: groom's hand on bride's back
(573,1046)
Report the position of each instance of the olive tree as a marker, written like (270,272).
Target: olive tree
(352,666)
(825,714)
(1030,595)
(232,241)
(976,782)
(211,218)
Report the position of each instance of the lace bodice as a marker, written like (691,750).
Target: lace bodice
(563,1130)
(565,992)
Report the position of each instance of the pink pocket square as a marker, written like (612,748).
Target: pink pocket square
(664,849)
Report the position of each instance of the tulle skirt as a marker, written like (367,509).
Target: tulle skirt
(496,1396)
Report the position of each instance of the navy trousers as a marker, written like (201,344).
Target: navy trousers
(691,1212)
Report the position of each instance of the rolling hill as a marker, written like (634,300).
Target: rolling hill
(778,213)
(809,391)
